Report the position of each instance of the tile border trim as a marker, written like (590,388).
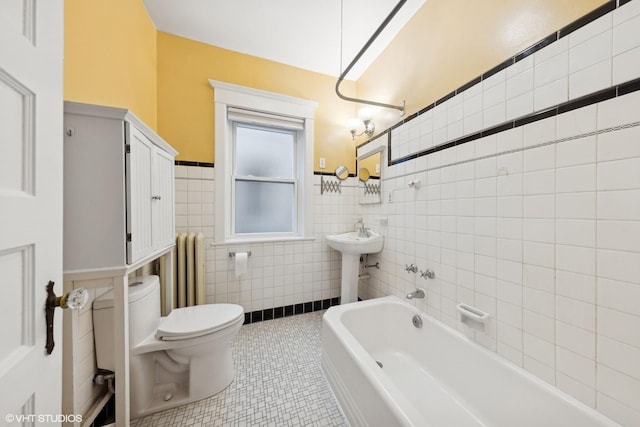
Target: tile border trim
(190,163)
(593,98)
(289,310)
(351,175)
(599,96)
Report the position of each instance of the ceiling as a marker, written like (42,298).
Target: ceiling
(303,33)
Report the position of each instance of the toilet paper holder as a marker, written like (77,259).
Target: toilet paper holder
(233,254)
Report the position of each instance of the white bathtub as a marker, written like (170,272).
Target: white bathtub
(432,376)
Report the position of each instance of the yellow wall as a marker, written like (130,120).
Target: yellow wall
(114,56)
(185,98)
(450,42)
(110,55)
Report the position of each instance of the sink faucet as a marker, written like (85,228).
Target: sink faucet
(418,293)
(362,231)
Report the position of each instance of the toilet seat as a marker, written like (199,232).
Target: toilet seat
(192,322)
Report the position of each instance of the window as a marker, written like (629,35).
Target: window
(263,165)
(264,180)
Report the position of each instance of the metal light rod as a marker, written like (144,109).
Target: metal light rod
(359,55)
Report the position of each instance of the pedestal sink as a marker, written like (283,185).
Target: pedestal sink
(352,245)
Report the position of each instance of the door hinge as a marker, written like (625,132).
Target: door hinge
(127,148)
(128,237)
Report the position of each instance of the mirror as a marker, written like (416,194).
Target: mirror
(369,176)
(342,172)
(363,174)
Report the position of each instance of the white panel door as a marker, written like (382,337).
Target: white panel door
(139,194)
(31,48)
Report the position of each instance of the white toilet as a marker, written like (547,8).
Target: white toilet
(174,360)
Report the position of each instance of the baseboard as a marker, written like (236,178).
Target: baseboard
(289,310)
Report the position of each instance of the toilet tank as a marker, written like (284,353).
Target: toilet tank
(144,315)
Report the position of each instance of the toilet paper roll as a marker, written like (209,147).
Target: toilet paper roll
(241,263)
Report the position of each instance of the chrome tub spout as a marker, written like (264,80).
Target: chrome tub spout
(418,293)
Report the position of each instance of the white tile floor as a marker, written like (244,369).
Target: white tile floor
(278,381)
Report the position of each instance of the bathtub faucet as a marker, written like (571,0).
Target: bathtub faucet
(411,268)
(418,293)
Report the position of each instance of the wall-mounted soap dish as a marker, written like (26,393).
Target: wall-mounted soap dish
(472,317)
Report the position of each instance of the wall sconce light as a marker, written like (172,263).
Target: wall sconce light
(365,117)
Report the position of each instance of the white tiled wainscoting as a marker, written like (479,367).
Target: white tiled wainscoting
(280,273)
(537,225)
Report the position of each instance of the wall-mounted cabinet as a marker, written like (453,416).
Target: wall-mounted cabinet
(369,167)
(118,189)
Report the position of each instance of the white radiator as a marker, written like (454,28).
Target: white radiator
(190,261)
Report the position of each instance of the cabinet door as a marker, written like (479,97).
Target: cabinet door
(162,207)
(139,169)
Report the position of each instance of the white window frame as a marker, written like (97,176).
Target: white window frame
(229,96)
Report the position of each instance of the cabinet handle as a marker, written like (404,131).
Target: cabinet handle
(156,197)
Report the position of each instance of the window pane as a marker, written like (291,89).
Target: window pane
(264,207)
(264,153)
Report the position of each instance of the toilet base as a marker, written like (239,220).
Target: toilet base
(206,376)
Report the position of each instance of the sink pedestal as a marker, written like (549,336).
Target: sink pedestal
(350,273)
(351,245)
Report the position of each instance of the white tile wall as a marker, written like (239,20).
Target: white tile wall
(279,273)
(539,225)
(626,55)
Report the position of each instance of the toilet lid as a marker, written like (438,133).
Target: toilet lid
(191,322)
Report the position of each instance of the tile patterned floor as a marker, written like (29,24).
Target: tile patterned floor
(278,382)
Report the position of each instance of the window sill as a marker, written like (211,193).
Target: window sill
(264,240)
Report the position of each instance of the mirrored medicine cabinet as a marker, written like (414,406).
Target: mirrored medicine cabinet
(369,167)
